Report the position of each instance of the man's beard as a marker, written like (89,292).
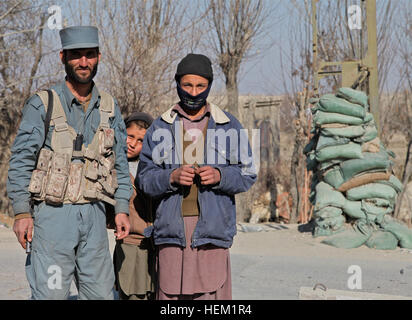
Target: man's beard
(71,74)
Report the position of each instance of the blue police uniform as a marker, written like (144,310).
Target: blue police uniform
(69,241)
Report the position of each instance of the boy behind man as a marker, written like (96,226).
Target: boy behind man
(134,256)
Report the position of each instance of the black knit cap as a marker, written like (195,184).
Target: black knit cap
(197,64)
(136,116)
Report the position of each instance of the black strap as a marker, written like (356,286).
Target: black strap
(46,122)
(48,116)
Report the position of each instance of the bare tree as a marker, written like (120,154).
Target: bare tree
(236,26)
(21,52)
(401,102)
(142,42)
(297,75)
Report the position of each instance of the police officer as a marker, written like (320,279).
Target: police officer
(68,235)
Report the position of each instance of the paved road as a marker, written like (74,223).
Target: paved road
(276,264)
(271,264)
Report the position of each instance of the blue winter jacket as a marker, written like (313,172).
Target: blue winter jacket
(226,148)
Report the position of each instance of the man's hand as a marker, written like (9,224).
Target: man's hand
(21,227)
(183,175)
(122,225)
(208,175)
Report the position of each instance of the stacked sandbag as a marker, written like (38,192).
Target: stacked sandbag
(353,179)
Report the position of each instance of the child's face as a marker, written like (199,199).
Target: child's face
(135,135)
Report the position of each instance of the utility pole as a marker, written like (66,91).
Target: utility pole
(353,73)
(371,61)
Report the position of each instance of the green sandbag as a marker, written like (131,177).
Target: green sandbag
(350,238)
(370,132)
(327,141)
(375,213)
(389,153)
(369,161)
(347,132)
(313,100)
(373,208)
(393,182)
(399,230)
(328,212)
(325,165)
(329,226)
(372,190)
(354,96)
(320,232)
(330,117)
(331,103)
(382,240)
(349,151)
(334,177)
(327,196)
(368,118)
(380,202)
(365,210)
(333,223)
(354,209)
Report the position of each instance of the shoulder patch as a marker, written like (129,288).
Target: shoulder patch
(36,101)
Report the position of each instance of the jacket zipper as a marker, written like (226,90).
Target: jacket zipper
(200,215)
(200,186)
(181,197)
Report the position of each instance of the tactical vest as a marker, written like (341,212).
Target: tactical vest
(57,179)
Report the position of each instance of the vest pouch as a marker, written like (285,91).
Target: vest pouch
(75,181)
(107,187)
(108,162)
(92,170)
(60,164)
(55,188)
(37,182)
(57,179)
(110,183)
(103,171)
(92,190)
(44,159)
(106,140)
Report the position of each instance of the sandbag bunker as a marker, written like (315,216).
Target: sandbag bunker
(353,180)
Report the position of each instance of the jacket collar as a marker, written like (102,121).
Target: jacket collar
(217,114)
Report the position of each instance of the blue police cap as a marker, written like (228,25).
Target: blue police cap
(79,37)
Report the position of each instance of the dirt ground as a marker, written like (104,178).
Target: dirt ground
(6,220)
(269,261)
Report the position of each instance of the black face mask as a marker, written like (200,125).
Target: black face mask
(192,102)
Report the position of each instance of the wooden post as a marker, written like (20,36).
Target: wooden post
(371,61)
